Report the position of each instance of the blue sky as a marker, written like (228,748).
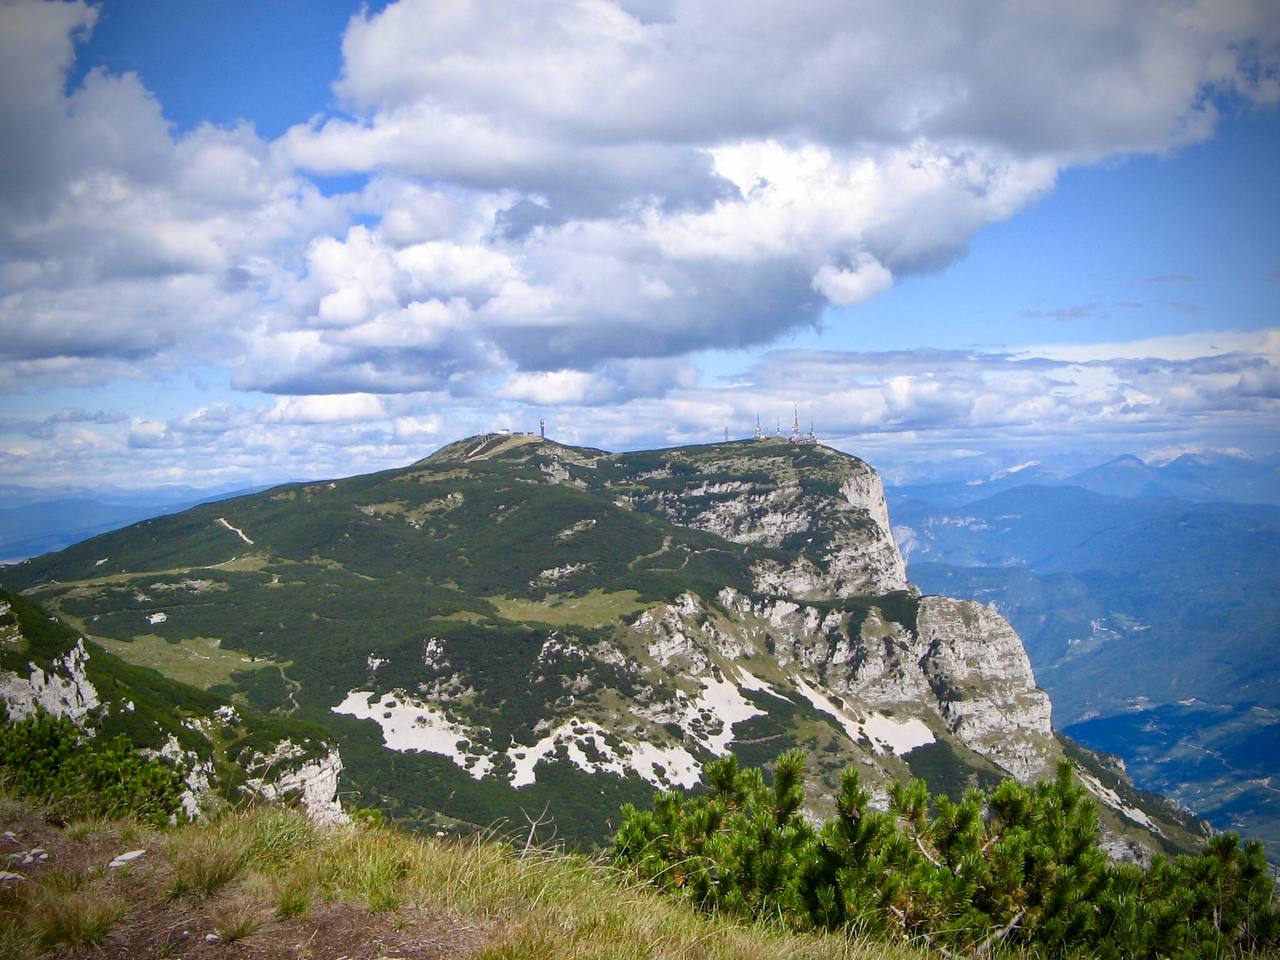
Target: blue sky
(248,242)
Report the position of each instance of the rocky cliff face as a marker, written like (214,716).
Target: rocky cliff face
(826,507)
(977,668)
(291,771)
(960,665)
(60,688)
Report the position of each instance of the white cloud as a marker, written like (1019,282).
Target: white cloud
(552,387)
(863,281)
(559,187)
(892,408)
(1119,76)
(712,174)
(120,242)
(335,408)
(419,429)
(566,200)
(614,382)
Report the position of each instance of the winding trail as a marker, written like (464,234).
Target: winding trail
(236,530)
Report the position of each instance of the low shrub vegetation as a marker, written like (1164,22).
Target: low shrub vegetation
(1016,869)
(48,759)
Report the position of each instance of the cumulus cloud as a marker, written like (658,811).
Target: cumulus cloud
(900,405)
(565,201)
(1119,76)
(662,179)
(615,382)
(337,408)
(120,242)
(561,187)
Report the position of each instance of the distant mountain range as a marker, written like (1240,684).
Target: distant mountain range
(1203,477)
(33,522)
(1153,621)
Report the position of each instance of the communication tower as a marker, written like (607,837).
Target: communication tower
(809,439)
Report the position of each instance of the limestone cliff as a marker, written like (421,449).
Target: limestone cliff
(60,688)
(979,671)
(826,507)
(291,772)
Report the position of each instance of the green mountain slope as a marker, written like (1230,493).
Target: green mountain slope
(512,625)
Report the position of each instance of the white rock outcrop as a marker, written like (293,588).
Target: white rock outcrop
(63,690)
(837,510)
(197,775)
(962,665)
(279,775)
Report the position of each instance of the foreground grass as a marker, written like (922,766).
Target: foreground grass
(258,882)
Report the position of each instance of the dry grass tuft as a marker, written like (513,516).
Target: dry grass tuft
(80,919)
(239,919)
(293,896)
(16,942)
(204,859)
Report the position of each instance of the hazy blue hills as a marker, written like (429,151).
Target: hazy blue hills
(1204,477)
(1153,622)
(32,522)
(1022,526)
(1102,580)
(1192,476)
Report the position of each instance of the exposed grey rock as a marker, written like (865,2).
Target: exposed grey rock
(63,690)
(289,771)
(980,672)
(124,859)
(837,508)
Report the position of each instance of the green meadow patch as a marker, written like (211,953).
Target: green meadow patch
(199,661)
(593,609)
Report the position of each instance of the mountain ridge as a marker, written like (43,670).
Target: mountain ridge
(511,622)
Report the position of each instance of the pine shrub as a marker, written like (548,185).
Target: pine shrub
(1018,868)
(48,759)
